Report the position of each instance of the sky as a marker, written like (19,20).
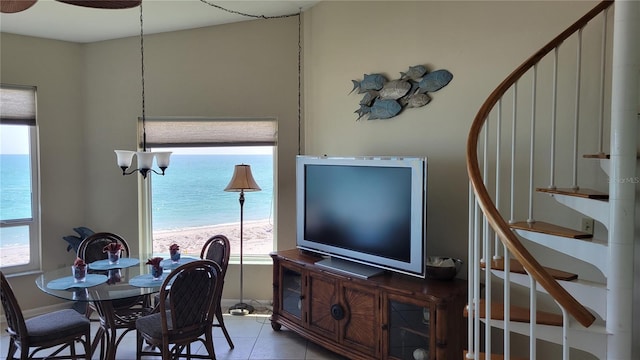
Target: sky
(13,139)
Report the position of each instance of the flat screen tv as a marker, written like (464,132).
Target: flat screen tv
(365,214)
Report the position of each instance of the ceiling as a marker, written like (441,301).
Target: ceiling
(55,20)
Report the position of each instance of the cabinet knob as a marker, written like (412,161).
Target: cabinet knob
(337,312)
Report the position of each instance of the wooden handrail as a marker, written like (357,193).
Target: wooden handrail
(494,218)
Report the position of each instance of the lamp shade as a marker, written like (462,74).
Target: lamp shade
(124,158)
(242,180)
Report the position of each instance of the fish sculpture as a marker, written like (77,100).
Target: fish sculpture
(384,109)
(417,100)
(414,72)
(368,98)
(435,81)
(370,82)
(395,89)
(384,99)
(364,110)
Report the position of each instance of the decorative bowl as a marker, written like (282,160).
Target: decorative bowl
(443,268)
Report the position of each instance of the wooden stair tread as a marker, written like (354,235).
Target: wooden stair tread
(551,229)
(582,193)
(482,356)
(519,314)
(597,156)
(516,267)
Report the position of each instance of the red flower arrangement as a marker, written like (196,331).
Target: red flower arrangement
(79,263)
(79,270)
(155,262)
(174,248)
(112,247)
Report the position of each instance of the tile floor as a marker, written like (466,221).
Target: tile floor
(252,336)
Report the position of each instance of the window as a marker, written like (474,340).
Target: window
(189,204)
(19,203)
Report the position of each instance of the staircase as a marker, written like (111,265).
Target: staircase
(552,148)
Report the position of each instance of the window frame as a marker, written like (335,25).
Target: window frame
(147,139)
(33,223)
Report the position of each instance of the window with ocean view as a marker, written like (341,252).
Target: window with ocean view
(19,217)
(189,203)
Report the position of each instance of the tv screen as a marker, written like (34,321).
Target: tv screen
(369,211)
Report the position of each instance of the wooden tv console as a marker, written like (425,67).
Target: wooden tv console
(389,316)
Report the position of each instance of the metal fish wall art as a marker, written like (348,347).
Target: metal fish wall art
(384,99)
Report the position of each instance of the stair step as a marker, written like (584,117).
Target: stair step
(516,267)
(551,229)
(592,340)
(601,156)
(482,356)
(518,314)
(583,193)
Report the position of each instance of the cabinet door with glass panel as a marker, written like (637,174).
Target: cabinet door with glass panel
(408,328)
(292,300)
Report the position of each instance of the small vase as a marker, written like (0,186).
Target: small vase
(156,272)
(79,273)
(175,256)
(114,257)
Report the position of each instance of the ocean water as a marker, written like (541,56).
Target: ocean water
(191,194)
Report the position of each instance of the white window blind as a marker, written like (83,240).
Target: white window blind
(17,105)
(207,132)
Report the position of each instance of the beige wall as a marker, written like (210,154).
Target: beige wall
(89,99)
(480,42)
(248,69)
(56,68)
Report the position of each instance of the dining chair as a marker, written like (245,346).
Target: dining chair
(218,248)
(60,329)
(127,310)
(185,312)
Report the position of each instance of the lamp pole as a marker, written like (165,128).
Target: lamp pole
(242,181)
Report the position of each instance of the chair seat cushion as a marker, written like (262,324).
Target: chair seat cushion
(151,325)
(55,325)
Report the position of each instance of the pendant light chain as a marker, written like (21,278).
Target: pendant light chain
(145,159)
(300,81)
(144,129)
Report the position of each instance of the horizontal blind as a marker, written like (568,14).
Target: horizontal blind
(207,132)
(17,105)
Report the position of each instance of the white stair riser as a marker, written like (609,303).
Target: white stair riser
(592,252)
(588,293)
(595,209)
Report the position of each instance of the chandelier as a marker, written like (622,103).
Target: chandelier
(144,157)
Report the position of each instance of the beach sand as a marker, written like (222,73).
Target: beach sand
(257,239)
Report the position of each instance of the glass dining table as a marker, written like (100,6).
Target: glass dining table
(104,283)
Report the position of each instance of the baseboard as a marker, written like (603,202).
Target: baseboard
(264,307)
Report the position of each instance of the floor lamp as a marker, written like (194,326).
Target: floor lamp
(242,181)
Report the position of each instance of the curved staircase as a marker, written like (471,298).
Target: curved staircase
(549,123)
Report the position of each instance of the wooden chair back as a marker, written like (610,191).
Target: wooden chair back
(91,248)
